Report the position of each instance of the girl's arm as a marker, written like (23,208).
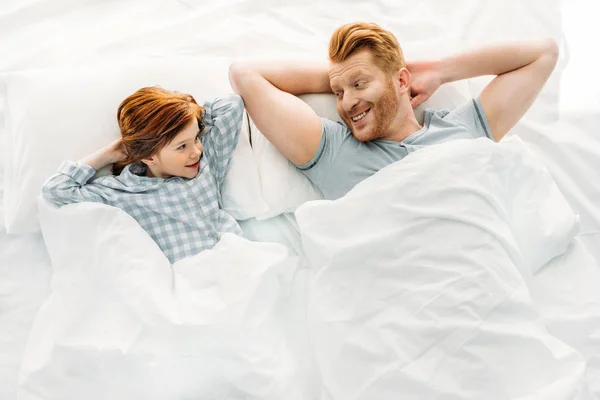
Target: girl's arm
(108,155)
(68,185)
(224,117)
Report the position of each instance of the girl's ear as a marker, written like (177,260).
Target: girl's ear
(149,161)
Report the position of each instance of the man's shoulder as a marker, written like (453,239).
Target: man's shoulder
(465,121)
(335,127)
(461,115)
(336,135)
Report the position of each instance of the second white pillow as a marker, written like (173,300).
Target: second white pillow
(284,187)
(67,113)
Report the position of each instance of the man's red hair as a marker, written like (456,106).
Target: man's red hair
(350,38)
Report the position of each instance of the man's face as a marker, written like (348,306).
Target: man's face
(181,157)
(367,99)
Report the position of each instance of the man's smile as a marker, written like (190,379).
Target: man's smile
(360,116)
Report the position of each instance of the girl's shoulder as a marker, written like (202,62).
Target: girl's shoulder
(132,179)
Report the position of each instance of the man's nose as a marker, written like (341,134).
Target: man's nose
(349,101)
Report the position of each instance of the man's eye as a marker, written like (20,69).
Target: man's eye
(358,84)
(339,95)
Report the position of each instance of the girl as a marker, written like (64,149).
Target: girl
(171,162)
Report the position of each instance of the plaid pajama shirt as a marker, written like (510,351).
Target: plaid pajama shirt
(183,216)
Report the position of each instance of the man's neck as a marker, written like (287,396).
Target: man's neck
(403,126)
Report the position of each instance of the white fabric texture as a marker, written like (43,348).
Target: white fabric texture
(435,320)
(566,294)
(418,284)
(122,299)
(132,325)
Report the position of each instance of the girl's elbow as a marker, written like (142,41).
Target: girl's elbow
(52,194)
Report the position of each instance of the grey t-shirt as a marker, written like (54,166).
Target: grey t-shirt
(341,161)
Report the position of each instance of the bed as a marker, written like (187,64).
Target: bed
(432,293)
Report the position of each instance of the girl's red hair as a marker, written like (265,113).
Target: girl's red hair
(150,118)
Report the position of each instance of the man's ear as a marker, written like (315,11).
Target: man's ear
(404,80)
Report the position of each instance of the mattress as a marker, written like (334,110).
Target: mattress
(561,130)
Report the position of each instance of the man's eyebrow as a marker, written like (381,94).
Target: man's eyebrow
(353,76)
(357,74)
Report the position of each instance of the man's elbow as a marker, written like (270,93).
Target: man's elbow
(238,73)
(551,51)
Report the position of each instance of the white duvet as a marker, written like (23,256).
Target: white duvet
(418,289)
(122,323)
(419,279)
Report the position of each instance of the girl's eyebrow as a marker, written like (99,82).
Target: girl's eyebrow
(185,140)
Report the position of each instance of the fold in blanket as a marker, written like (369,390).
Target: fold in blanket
(418,285)
(418,279)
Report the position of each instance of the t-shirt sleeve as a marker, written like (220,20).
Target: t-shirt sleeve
(333,134)
(471,115)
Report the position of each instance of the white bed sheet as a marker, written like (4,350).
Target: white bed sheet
(41,33)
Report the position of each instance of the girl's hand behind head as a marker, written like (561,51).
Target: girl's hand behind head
(116,151)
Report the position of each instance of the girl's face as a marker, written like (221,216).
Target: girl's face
(181,157)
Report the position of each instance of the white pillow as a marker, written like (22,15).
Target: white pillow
(541,219)
(284,187)
(241,193)
(67,113)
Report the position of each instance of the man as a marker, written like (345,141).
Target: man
(376,92)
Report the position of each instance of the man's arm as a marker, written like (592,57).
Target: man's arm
(269,92)
(521,69)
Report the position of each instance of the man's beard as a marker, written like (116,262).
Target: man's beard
(384,111)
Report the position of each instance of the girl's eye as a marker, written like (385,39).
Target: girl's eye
(181,147)
(339,95)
